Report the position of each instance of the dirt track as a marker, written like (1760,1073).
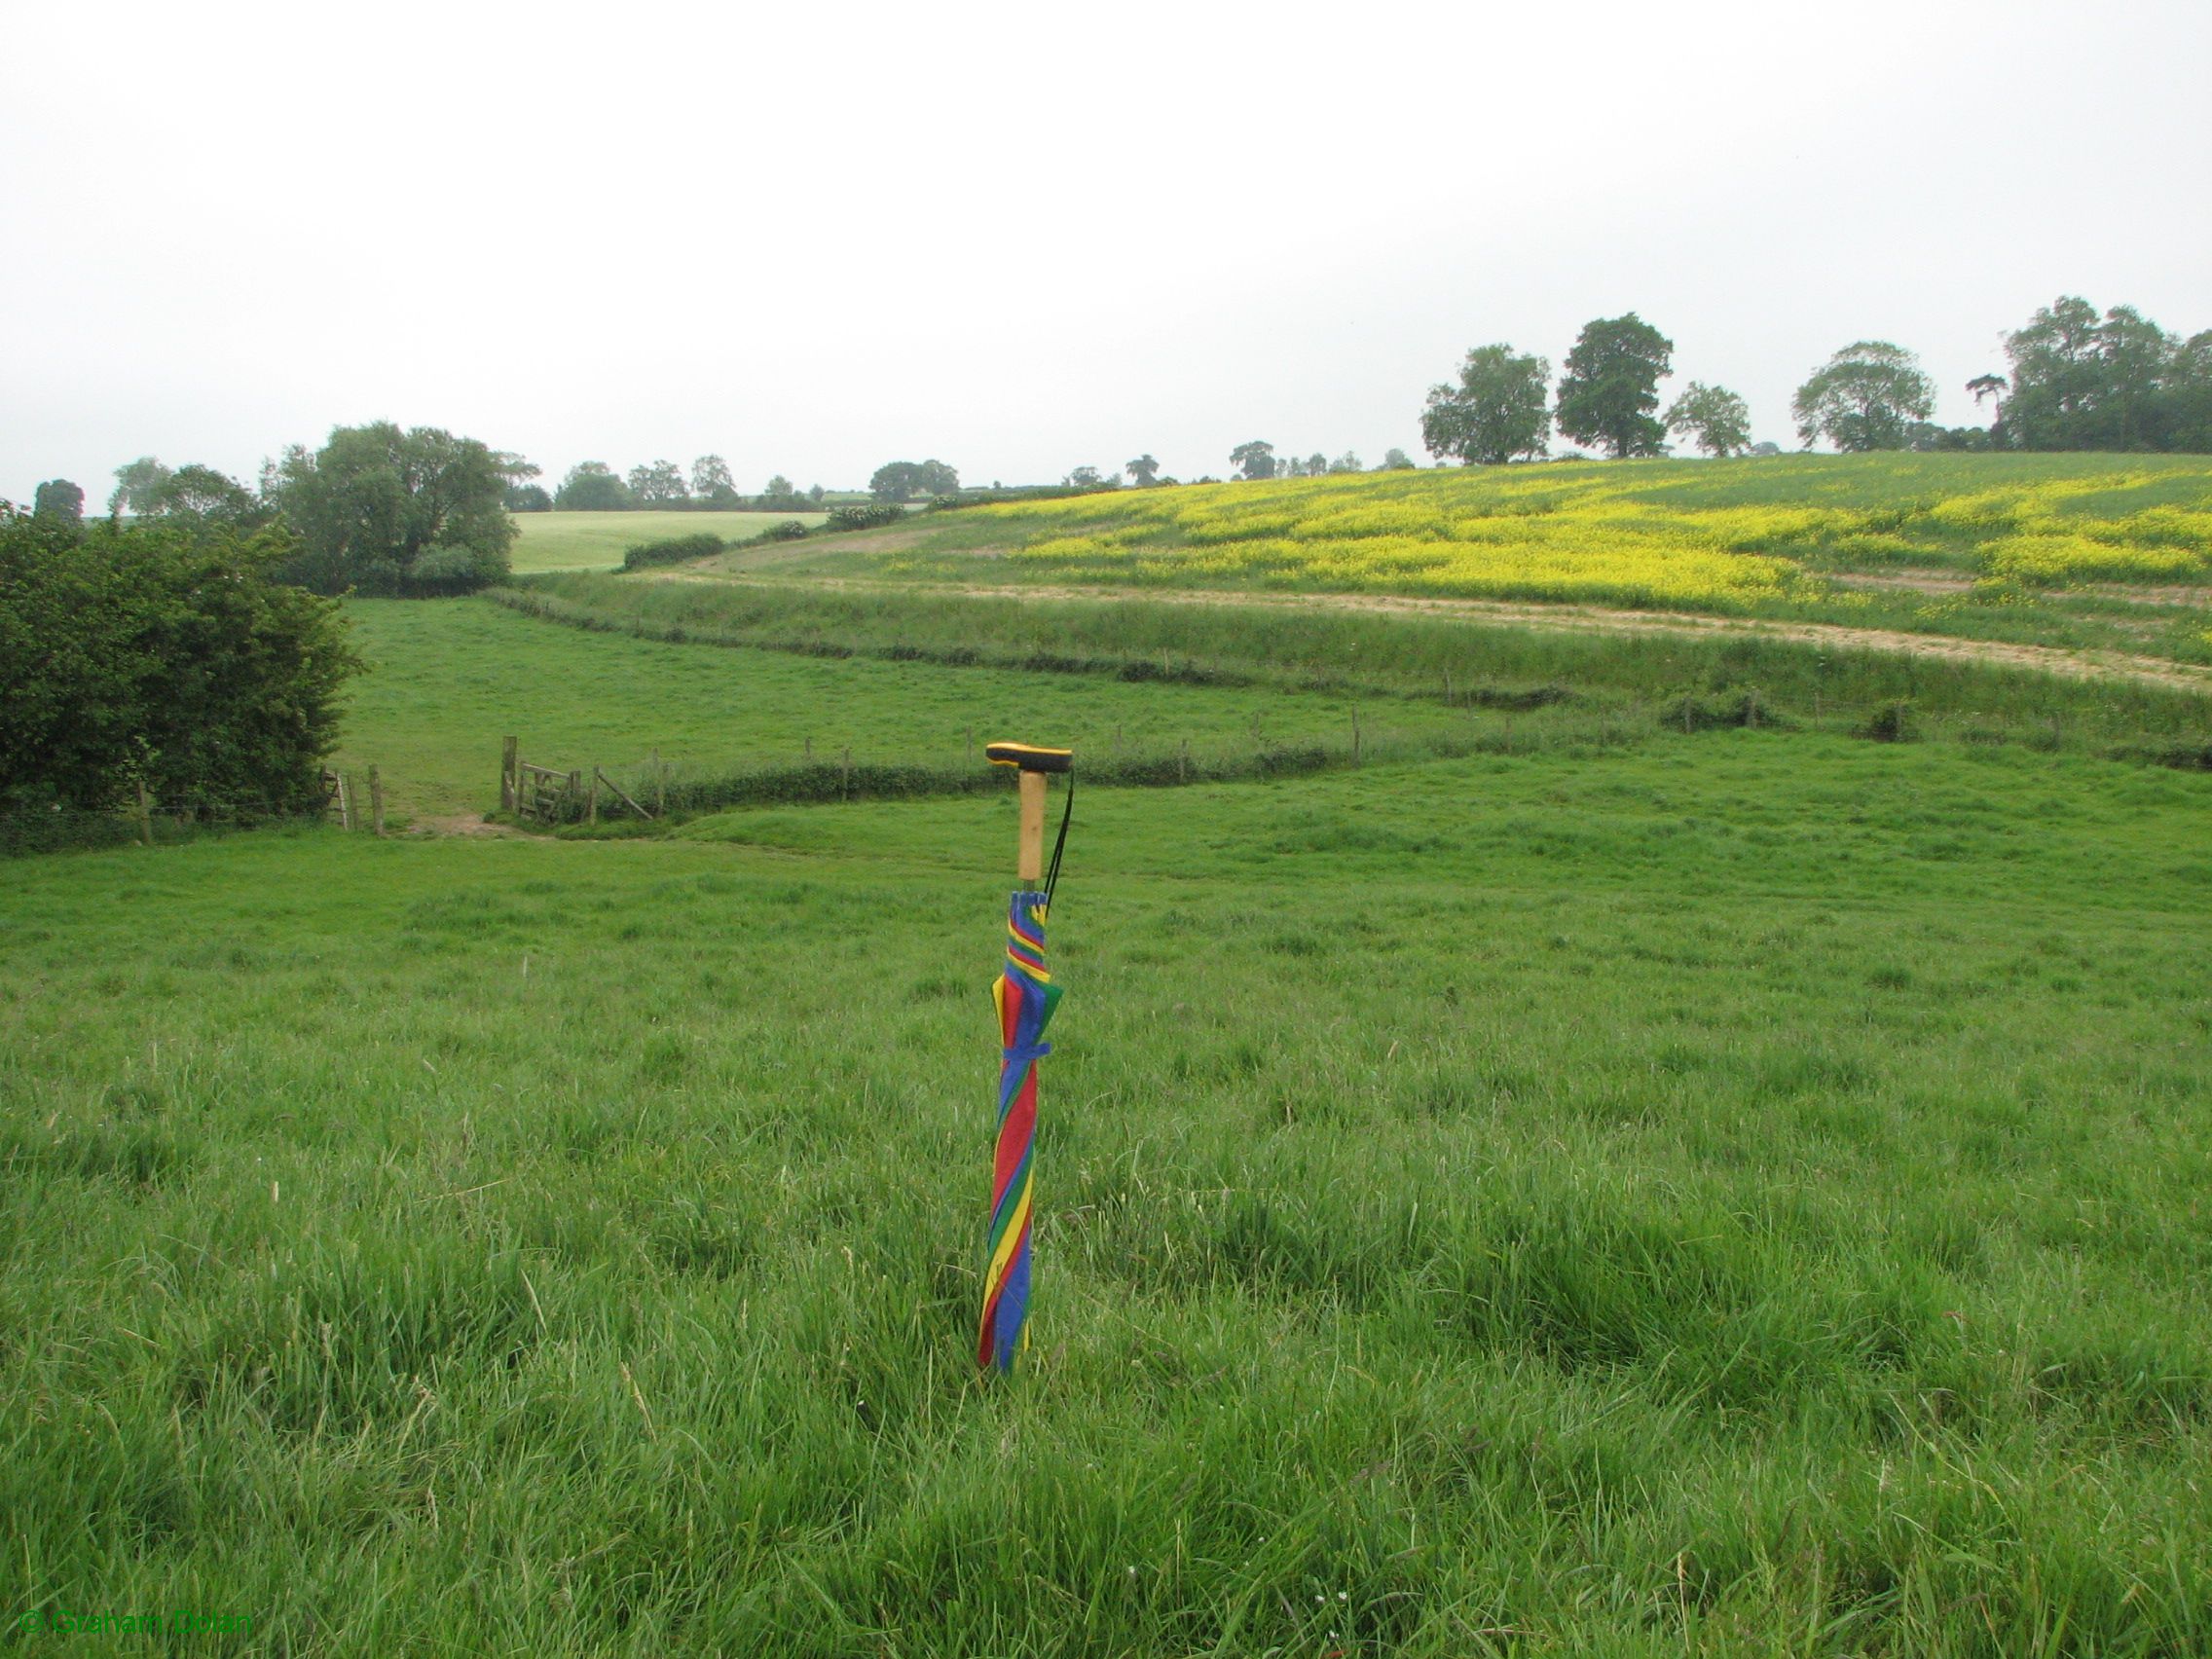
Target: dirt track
(1577,619)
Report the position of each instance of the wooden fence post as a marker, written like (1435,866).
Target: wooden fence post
(1355,736)
(660,788)
(591,805)
(510,776)
(146,817)
(376,799)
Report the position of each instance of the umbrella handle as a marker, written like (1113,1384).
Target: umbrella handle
(1036,763)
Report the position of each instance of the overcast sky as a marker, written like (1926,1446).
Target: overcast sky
(1022,238)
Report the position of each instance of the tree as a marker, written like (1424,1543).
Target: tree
(134,485)
(1395,461)
(894,481)
(1985,386)
(1865,397)
(1495,415)
(1253,461)
(904,480)
(2135,355)
(388,511)
(199,495)
(528,499)
(711,477)
(1610,385)
(2055,376)
(160,653)
(1713,417)
(1084,478)
(660,485)
(1348,461)
(60,499)
(779,490)
(592,487)
(1144,470)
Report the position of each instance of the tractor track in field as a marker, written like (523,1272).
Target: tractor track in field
(1565,618)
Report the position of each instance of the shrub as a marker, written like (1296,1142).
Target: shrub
(163,654)
(791,530)
(869,517)
(674,550)
(1891,723)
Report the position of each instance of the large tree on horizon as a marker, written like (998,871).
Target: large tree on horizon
(1868,396)
(1610,385)
(1495,415)
(1253,461)
(389,511)
(1713,417)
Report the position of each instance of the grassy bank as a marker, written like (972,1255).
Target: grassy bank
(1417,658)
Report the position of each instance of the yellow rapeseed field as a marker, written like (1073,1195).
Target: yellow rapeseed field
(1702,536)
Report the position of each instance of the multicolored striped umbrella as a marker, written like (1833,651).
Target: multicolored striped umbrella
(1027,997)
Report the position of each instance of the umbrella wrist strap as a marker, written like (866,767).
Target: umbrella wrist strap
(1059,845)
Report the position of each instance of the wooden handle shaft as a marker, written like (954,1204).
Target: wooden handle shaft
(1031,866)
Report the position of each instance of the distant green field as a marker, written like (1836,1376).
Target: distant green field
(450,677)
(1742,1197)
(593,541)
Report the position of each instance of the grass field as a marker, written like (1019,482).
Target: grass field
(451,678)
(1745,1196)
(1666,1174)
(596,541)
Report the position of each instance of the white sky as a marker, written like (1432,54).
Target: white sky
(1023,238)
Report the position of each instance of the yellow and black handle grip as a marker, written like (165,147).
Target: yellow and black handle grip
(1030,757)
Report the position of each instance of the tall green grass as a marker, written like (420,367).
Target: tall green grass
(1741,1196)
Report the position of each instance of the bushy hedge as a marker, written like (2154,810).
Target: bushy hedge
(675,550)
(867,518)
(162,654)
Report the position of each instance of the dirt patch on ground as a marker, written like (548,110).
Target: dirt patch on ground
(472,825)
(1905,582)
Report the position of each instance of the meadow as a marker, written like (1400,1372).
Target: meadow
(1668,1142)
(597,541)
(1739,1195)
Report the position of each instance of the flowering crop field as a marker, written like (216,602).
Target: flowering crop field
(1726,535)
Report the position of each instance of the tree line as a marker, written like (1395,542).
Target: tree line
(660,485)
(2078,381)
